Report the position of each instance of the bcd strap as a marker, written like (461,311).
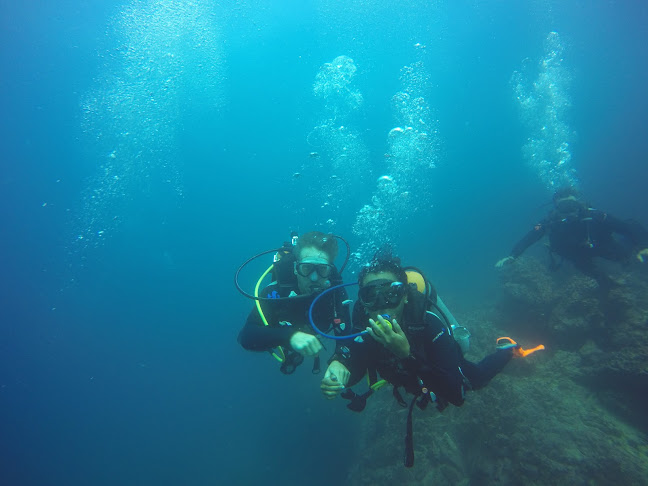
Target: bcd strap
(316,365)
(421,401)
(409,437)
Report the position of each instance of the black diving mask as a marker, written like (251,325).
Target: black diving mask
(381,294)
(306,269)
(568,206)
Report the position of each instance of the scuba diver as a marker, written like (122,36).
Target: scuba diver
(580,233)
(409,344)
(279,323)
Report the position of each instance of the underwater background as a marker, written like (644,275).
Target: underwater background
(148,148)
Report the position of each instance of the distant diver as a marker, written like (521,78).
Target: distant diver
(579,233)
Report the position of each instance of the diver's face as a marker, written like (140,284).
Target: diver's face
(391,298)
(313,270)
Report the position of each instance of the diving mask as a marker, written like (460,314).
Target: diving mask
(306,269)
(568,206)
(381,294)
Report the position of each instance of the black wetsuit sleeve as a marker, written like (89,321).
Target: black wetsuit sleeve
(481,373)
(256,336)
(629,228)
(440,369)
(358,363)
(533,236)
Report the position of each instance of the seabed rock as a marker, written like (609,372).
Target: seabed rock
(574,414)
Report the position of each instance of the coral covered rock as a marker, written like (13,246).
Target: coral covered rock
(573,414)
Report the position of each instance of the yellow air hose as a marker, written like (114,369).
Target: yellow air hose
(279,355)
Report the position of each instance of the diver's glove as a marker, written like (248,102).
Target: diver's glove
(504,261)
(642,255)
(518,351)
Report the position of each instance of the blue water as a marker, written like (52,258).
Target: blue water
(118,354)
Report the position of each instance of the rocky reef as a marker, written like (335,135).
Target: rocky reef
(574,414)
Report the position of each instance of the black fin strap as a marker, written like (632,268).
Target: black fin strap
(409,437)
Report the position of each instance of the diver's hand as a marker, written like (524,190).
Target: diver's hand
(393,338)
(335,379)
(305,344)
(642,255)
(504,261)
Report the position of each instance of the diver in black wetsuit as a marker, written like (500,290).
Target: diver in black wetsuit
(410,348)
(300,275)
(580,233)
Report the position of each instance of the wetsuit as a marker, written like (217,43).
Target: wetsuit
(581,237)
(288,315)
(435,360)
